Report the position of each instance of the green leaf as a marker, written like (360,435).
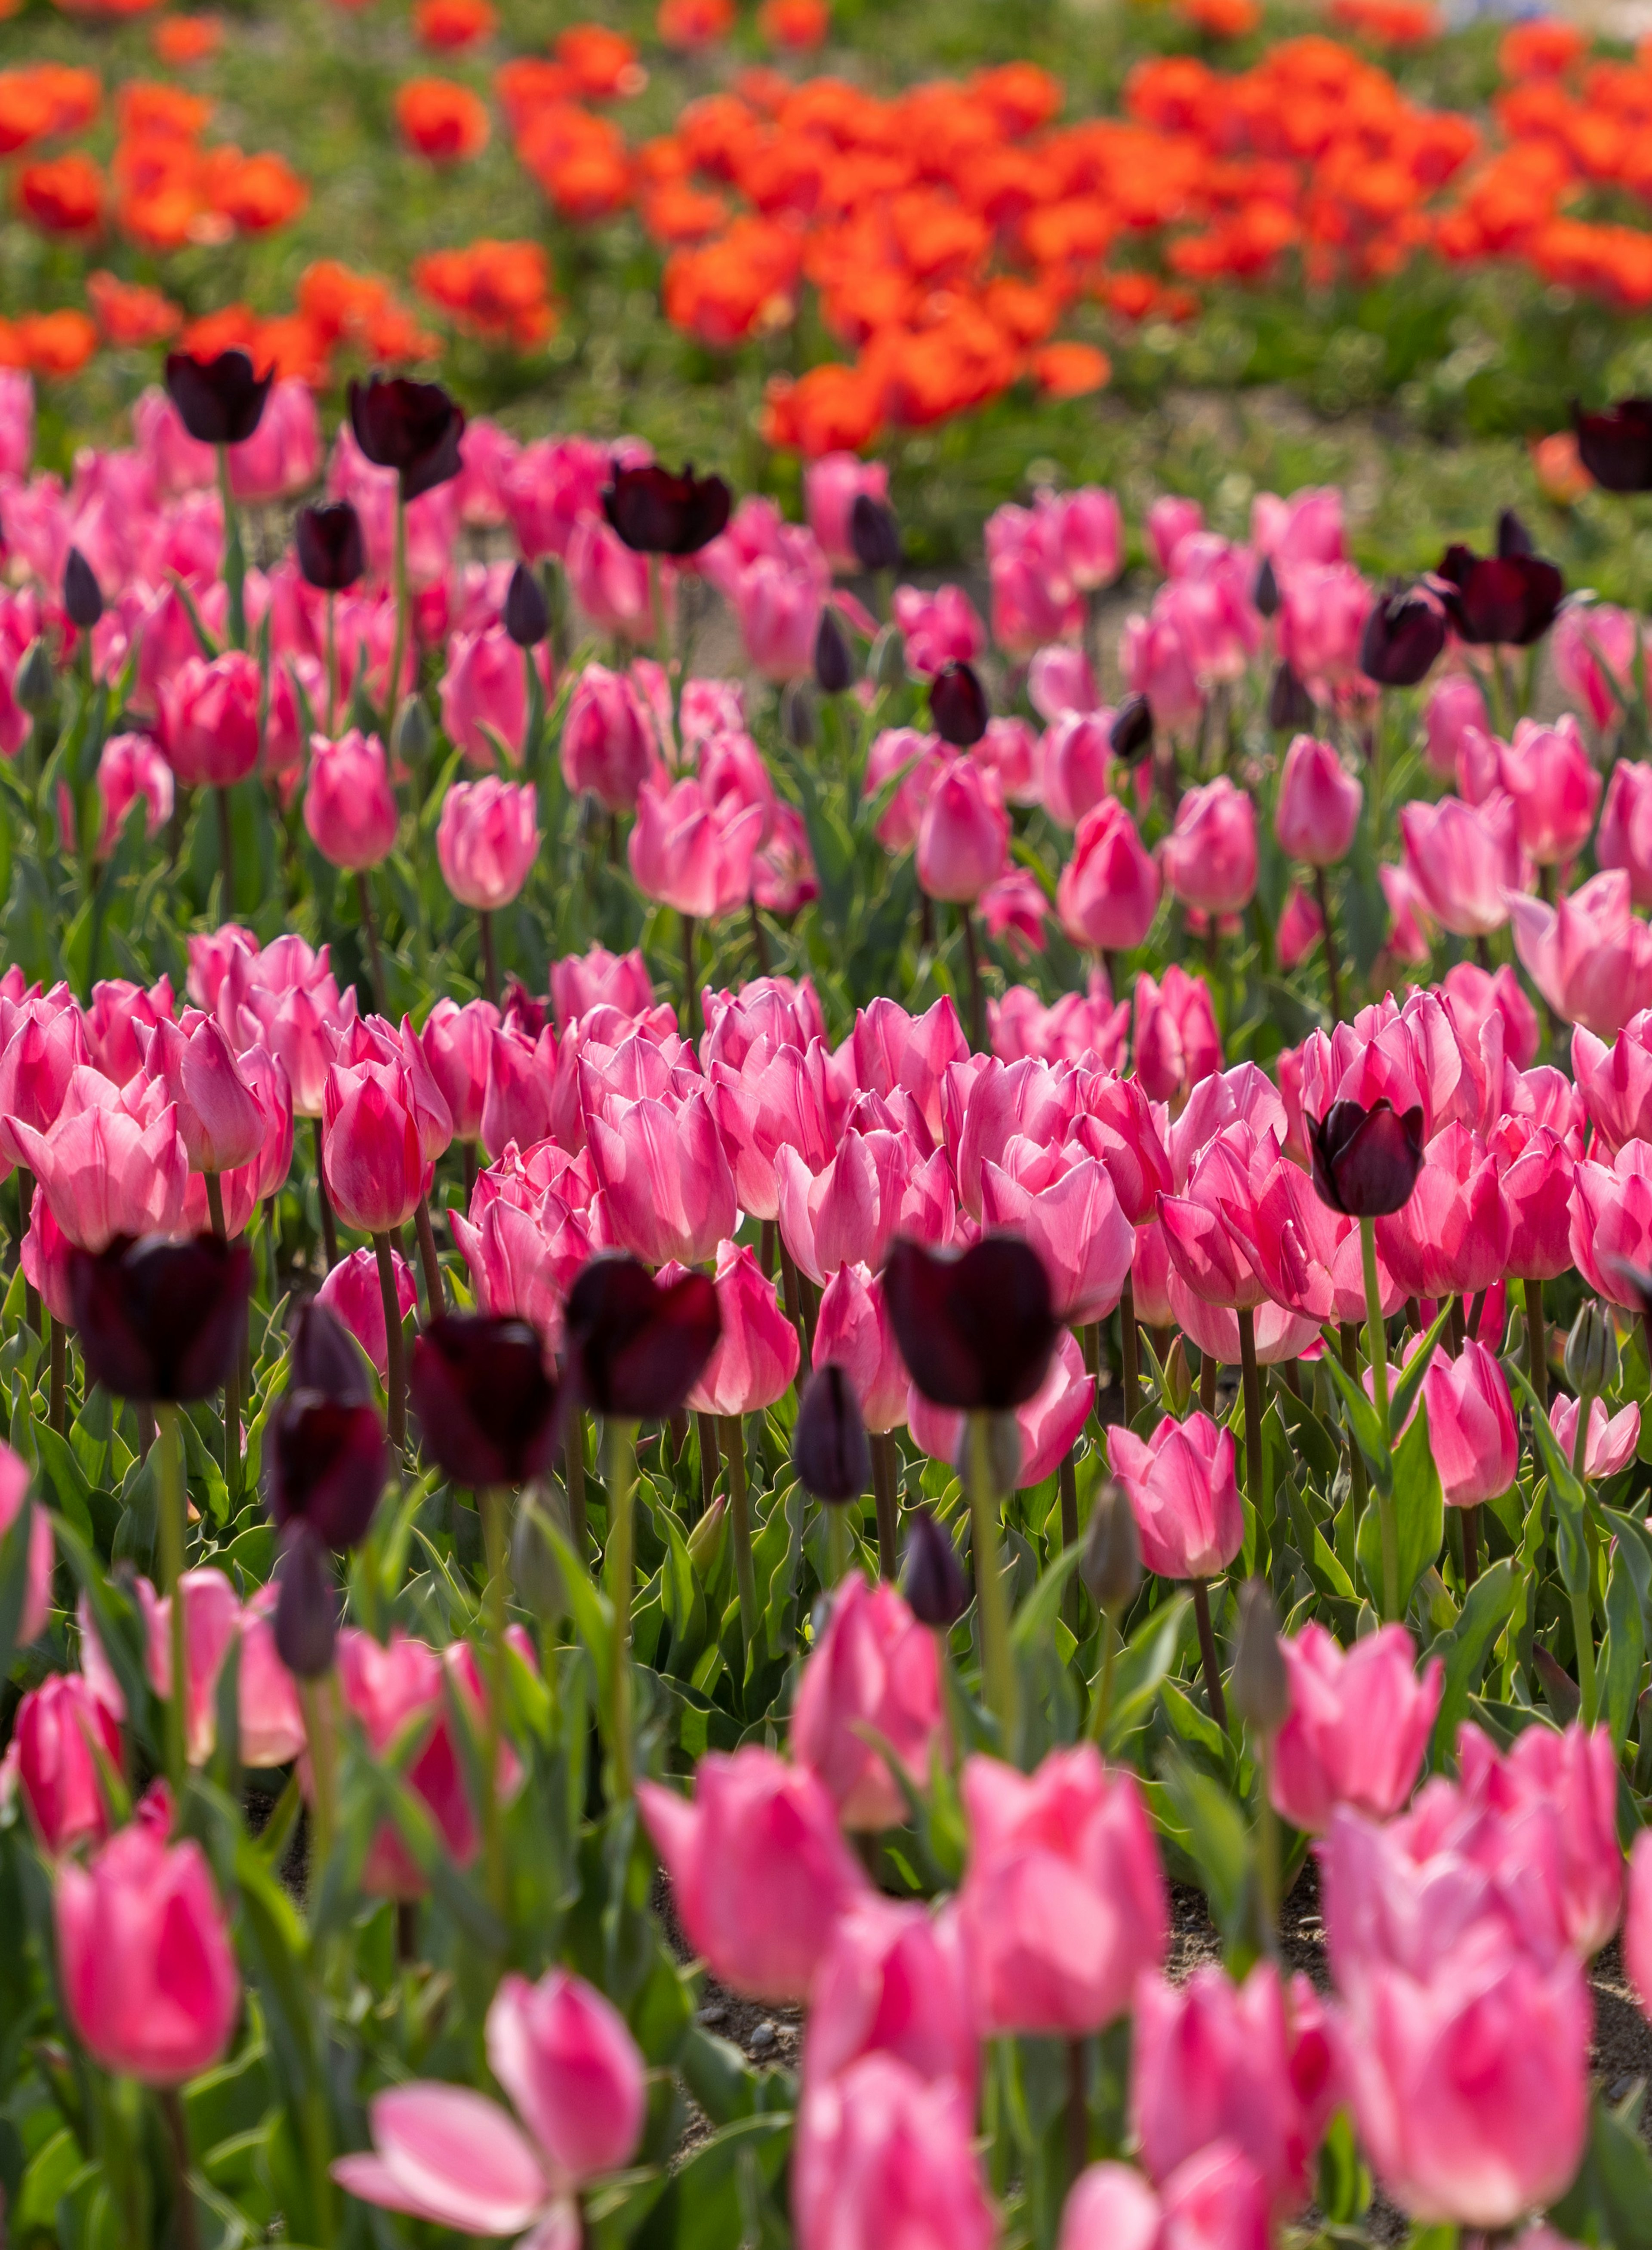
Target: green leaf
(1410,1380)
(14,1579)
(1624,1649)
(1211,1829)
(1141,1665)
(1468,1644)
(1420,1515)
(1345,2183)
(1362,1419)
(708,2203)
(1569,1494)
(1610,2201)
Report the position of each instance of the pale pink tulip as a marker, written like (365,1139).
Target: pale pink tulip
(352,1291)
(756,1355)
(130,767)
(963,838)
(487,840)
(1169,520)
(692,854)
(1592,648)
(1610,1445)
(1216,2200)
(1471,1431)
(1548,772)
(1357,1726)
(1319,807)
(893,1981)
(884,2157)
(1177,1043)
(1209,859)
(1108,892)
(853,1331)
(350,806)
(1183,1493)
(1624,838)
(1075,761)
(667,1187)
(873,1669)
(1588,956)
(1465,861)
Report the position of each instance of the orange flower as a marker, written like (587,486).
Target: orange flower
(1390,22)
(291,348)
(46,99)
(1070,371)
(62,194)
(448,25)
(528,85)
(441,121)
(232,328)
(602,63)
(1560,472)
(12,352)
(180,40)
(394,337)
(578,160)
(796,25)
(1223,19)
(146,108)
(734,285)
(695,22)
(338,302)
(130,315)
(1543,49)
(675,213)
(56,343)
(258,193)
(831,409)
(495,290)
(1021,95)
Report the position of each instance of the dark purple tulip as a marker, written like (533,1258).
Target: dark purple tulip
(160,1319)
(1290,707)
(834,666)
(325,1465)
(1365,1161)
(1616,447)
(976,1331)
(958,706)
(82,596)
(932,1577)
(305,1606)
(521,1011)
(1403,634)
(219,401)
(635,1345)
(1130,735)
(414,428)
(1264,594)
(332,553)
(325,1358)
(487,1411)
(874,534)
(657,512)
(1508,599)
(829,1448)
(1513,538)
(527,612)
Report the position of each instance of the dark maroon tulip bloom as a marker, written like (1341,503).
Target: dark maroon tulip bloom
(523,1012)
(1508,599)
(527,612)
(958,706)
(323,1357)
(1616,447)
(977,1331)
(932,1577)
(635,1345)
(161,1319)
(656,511)
(1366,1160)
(332,553)
(874,534)
(219,401)
(487,1411)
(834,666)
(414,428)
(1264,594)
(829,1448)
(306,1605)
(1403,634)
(325,1465)
(1130,735)
(1290,707)
(82,596)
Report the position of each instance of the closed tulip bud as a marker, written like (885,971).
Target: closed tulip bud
(1591,1350)
(874,534)
(1365,1162)
(829,1448)
(305,1606)
(414,734)
(220,402)
(82,596)
(834,666)
(1264,593)
(527,612)
(1260,1685)
(932,1577)
(161,1319)
(1179,1378)
(34,685)
(1616,446)
(487,1411)
(332,554)
(977,1331)
(535,1572)
(326,1461)
(1290,707)
(796,712)
(705,1540)
(657,512)
(635,1346)
(888,662)
(958,705)
(414,428)
(1111,1564)
(1404,633)
(1130,736)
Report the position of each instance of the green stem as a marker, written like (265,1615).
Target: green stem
(172,1519)
(398,647)
(184,2231)
(430,1259)
(490,958)
(226,853)
(689,980)
(574,1463)
(884,1496)
(622,1463)
(332,664)
(315,1697)
(1129,1352)
(733,1435)
(1251,1381)
(1209,1661)
(490,1501)
(234,554)
(395,1373)
(1102,1709)
(57,1401)
(1323,892)
(1538,1341)
(837,1518)
(1377,1340)
(369,930)
(998,1669)
(1267,1850)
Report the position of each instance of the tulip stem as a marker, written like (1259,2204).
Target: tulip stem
(324,1202)
(234,553)
(171,1528)
(316,1699)
(883,1497)
(1470,1544)
(25,1209)
(232,1381)
(490,1504)
(1067,1479)
(1129,1352)
(706,1425)
(490,958)
(1078,2107)
(227,854)
(1206,1384)
(1350,1335)
(1102,1709)
(55,1405)
(429,1258)
(574,1465)
(185,2232)
(1539,1342)
(369,930)
(689,980)
(1323,891)
(1267,1849)
(972,966)
(395,1371)
(732,1432)
(1252,1381)
(398,646)
(1377,1344)
(790,1290)
(622,1462)
(837,1528)
(1207,1656)
(332,662)
(998,1668)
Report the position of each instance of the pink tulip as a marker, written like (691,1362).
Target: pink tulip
(1069,1213)
(893,1981)
(104,1173)
(1177,1042)
(211,1623)
(1182,1493)
(484,696)
(487,840)
(1157,661)
(1063,1903)
(1556,1797)
(210,720)
(607,744)
(1407,915)
(218,1115)
(874,1667)
(964,839)
(370,1150)
(756,1355)
(1108,892)
(830,486)
(457,1043)
(149,1976)
(1059,681)
(1464,860)
(1301,927)
(1471,995)
(1080,1024)
(1358,1726)
(1169,520)
(853,1331)
(1479,765)
(352,1291)
(784,875)
(1612,1223)
(37,1592)
(1322,609)
(283,456)
(1592,648)
(1090,530)
(1609,1446)
(1318,806)
(555,483)
(883,2156)
(1452,1237)
(1588,956)
(759,1870)
(1216,2200)
(1208,603)
(17,423)
(610,583)
(665,1181)
(521,1081)
(130,767)
(1034,600)
(59,1726)
(600,979)
(44,1256)
(350,807)
(1074,760)
(848,1212)
(1048,1426)
(1454,705)
(1246,2063)
(512,1267)
(562,2051)
(1537,1174)
(1305,528)
(1117,1125)
(1624,838)
(1637,1923)
(46,1046)
(691,854)
(779,610)
(1548,773)
(1471,1431)
(1210,857)
(915,759)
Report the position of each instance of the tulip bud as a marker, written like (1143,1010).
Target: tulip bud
(414,734)
(834,666)
(487,1411)
(325,1465)
(799,715)
(1365,1162)
(535,1570)
(332,553)
(1264,594)
(82,596)
(1111,1563)
(1290,707)
(1591,1350)
(705,1540)
(324,1358)
(636,1346)
(1130,736)
(527,612)
(889,659)
(1260,1685)
(220,401)
(958,706)
(1513,538)
(933,1577)
(829,1448)
(35,685)
(1404,633)
(305,1606)
(1179,1378)
(874,534)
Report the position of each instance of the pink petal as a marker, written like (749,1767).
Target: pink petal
(458,2154)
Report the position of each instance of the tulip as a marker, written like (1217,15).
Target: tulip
(1358,1726)
(853,1331)
(939,627)
(59,1728)
(756,1355)
(655,512)
(607,745)
(1404,633)
(1210,857)
(487,841)
(692,852)
(1217,2199)
(1318,806)
(210,719)
(1169,520)
(958,709)
(667,1187)
(977,1330)
(149,1975)
(1611,1237)
(1181,1486)
(1454,705)
(1157,661)
(600,979)
(832,1460)
(964,839)
(893,1981)
(414,428)
(1108,892)
(1555,1797)
(759,1870)
(1301,928)
(326,1462)
(457,1043)
(487,1410)
(883,2156)
(1548,772)
(1615,446)
(130,767)
(161,1319)
(874,1667)
(1588,956)
(284,454)
(1074,758)
(351,1291)
(830,488)
(1062,1904)
(1046,1425)
(1177,1043)
(517,1101)
(514,1268)
(1071,1216)
(637,1345)
(485,696)
(1366,1160)
(1464,860)
(1323,611)
(1624,838)
(106,1175)
(1061,682)
(350,807)
(1609,1446)
(219,1117)
(371,1155)
(327,541)
(1509,599)
(220,401)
